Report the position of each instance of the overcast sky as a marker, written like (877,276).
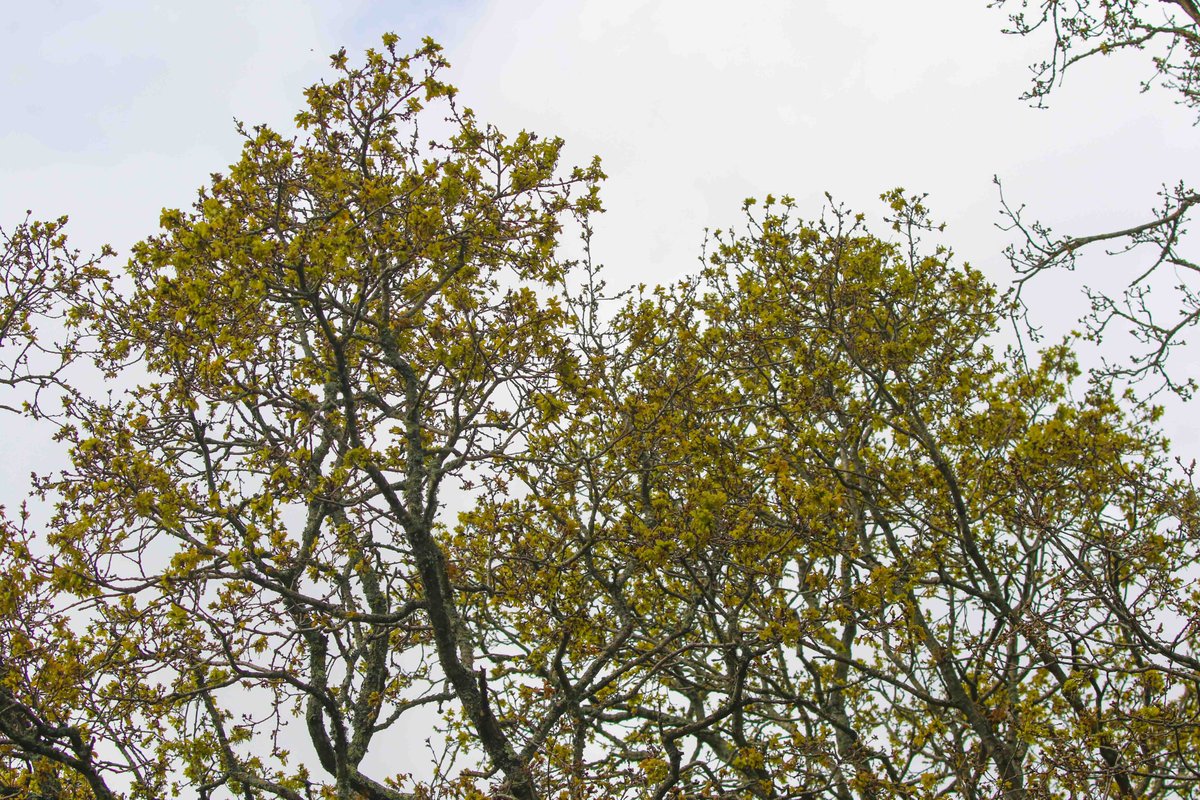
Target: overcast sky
(112,110)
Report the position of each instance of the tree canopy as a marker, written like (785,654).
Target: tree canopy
(376,451)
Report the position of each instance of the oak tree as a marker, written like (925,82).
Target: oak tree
(801,532)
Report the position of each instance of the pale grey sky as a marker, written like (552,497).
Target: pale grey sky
(112,110)
(116,109)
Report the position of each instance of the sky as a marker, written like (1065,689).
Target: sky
(113,110)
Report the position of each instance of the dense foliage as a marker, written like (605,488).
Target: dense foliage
(373,460)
